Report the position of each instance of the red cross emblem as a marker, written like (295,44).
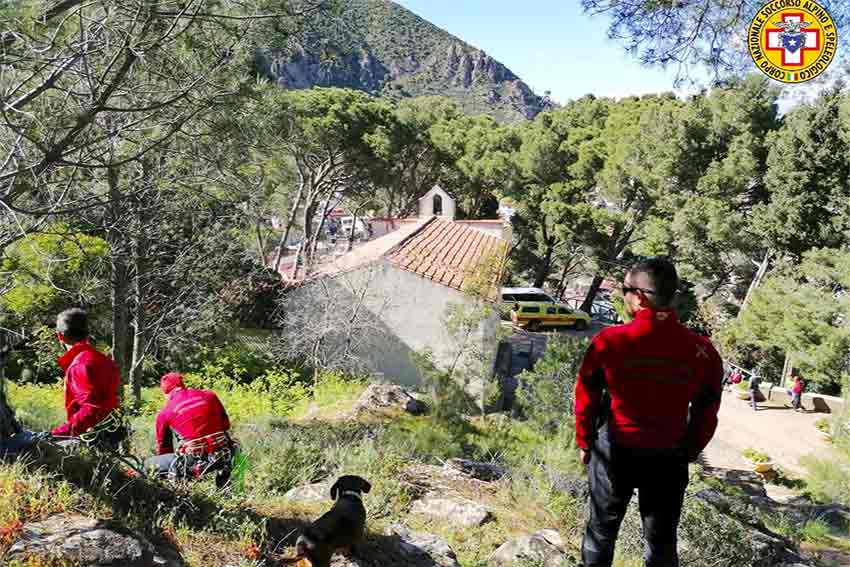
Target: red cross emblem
(793,54)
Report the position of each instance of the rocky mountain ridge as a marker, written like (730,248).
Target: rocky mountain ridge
(380,47)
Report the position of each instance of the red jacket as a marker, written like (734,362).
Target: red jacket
(190,414)
(91,388)
(664,382)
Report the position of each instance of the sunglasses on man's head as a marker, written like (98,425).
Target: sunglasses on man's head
(627,290)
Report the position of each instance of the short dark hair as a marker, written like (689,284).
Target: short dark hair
(74,324)
(663,274)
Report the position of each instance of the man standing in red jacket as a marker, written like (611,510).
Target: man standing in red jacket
(201,423)
(91,378)
(647,397)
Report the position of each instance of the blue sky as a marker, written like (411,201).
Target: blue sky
(550,44)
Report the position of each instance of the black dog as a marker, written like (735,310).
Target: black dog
(340,528)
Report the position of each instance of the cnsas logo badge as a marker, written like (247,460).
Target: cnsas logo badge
(792,41)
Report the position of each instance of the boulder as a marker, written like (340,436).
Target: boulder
(317,492)
(453,510)
(545,548)
(83,541)
(383,397)
(481,471)
(420,548)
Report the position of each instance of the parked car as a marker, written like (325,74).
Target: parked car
(359,228)
(605,311)
(540,315)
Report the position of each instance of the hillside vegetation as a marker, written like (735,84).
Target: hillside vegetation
(379,47)
(296,436)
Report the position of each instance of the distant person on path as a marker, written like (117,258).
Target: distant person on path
(92,381)
(797,390)
(647,397)
(734,378)
(755,391)
(201,423)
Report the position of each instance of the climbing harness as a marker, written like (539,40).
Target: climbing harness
(111,430)
(216,452)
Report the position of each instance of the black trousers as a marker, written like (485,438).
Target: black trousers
(659,476)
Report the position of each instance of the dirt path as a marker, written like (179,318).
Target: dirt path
(775,429)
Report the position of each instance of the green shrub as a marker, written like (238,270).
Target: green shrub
(282,455)
(816,531)
(545,393)
(785,525)
(715,539)
(330,390)
(273,393)
(37,407)
(755,456)
(449,400)
(430,439)
(828,479)
(36,360)
(824,425)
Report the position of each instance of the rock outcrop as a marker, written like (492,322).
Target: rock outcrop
(544,548)
(453,510)
(487,472)
(420,548)
(380,398)
(83,541)
(316,492)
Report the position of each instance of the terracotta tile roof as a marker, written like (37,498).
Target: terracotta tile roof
(441,250)
(370,252)
(446,252)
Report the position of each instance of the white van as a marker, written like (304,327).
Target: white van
(525,294)
(345,226)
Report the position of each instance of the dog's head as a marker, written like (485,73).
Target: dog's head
(352,483)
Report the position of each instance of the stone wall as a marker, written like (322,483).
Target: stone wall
(811,402)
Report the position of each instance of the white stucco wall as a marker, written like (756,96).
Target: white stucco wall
(412,312)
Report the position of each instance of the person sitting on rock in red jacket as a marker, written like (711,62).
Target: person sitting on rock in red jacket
(92,381)
(202,426)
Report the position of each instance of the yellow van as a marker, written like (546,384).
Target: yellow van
(537,316)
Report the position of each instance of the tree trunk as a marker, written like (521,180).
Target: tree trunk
(562,285)
(787,370)
(325,212)
(303,254)
(120,281)
(587,304)
(9,425)
(353,229)
(139,318)
(281,247)
(620,240)
(261,243)
(544,268)
(756,280)
(140,345)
